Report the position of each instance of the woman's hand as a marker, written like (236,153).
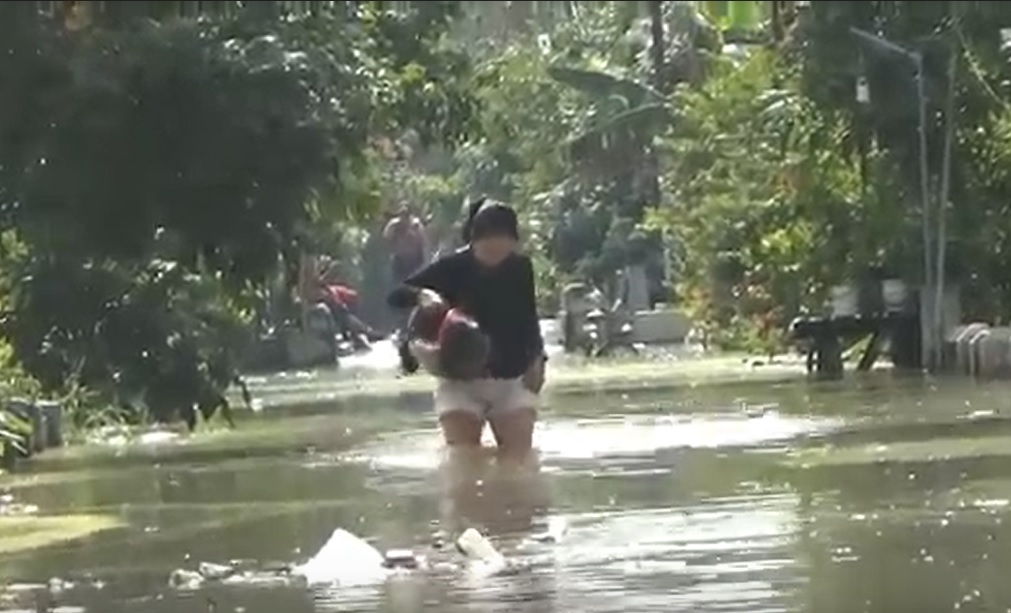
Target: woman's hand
(427,355)
(533,379)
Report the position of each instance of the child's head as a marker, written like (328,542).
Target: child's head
(425,323)
(462,347)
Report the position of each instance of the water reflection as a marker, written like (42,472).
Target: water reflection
(731,554)
(499,496)
(685,500)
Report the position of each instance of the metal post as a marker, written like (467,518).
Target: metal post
(931,346)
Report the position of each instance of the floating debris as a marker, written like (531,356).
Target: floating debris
(346,560)
(186,580)
(403,558)
(485,558)
(215,571)
(556,530)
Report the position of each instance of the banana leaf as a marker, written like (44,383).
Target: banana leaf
(602,85)
(13,423)
(14,431)
(641,121)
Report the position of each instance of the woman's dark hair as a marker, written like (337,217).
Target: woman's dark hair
(468,224)
(487,217)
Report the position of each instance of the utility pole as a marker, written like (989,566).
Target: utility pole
(930,348)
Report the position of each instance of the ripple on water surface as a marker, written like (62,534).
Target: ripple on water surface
(631,437)
(714,554)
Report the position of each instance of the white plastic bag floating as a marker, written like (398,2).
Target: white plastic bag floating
(344,560)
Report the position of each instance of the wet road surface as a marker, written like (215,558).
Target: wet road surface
(874,494)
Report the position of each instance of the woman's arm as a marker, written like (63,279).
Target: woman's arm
(533,378)
(427,355)
(438,276)
(531,326)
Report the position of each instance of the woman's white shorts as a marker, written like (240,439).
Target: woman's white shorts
(482,397)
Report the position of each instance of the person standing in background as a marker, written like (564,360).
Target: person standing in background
(408,243)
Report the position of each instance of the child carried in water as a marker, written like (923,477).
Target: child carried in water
(446,342)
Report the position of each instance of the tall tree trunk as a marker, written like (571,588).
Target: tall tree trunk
(659,44)
(778,31)
(266,10)
(942,204)
(648,185)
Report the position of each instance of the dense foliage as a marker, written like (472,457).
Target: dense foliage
(776,180)
(157,172)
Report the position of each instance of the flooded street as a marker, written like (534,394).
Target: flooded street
(874,494)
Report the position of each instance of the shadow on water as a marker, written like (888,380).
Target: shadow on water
(874,494)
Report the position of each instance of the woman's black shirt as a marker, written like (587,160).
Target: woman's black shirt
(500,299)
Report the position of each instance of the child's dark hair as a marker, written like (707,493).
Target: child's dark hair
(408,363)
(421,324)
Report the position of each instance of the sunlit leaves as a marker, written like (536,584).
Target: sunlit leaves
(757,184)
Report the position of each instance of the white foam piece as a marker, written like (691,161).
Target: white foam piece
(344,560)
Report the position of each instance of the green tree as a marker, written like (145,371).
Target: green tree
(155,173)
(761,199)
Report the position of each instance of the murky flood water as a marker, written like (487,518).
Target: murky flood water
(875,494)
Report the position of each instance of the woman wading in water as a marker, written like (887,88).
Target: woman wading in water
(493,284)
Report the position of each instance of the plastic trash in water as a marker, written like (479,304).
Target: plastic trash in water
(215,571)
(556,530)
(344,560)
(186,580)
(402,558)
(485,559)
(475,546)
